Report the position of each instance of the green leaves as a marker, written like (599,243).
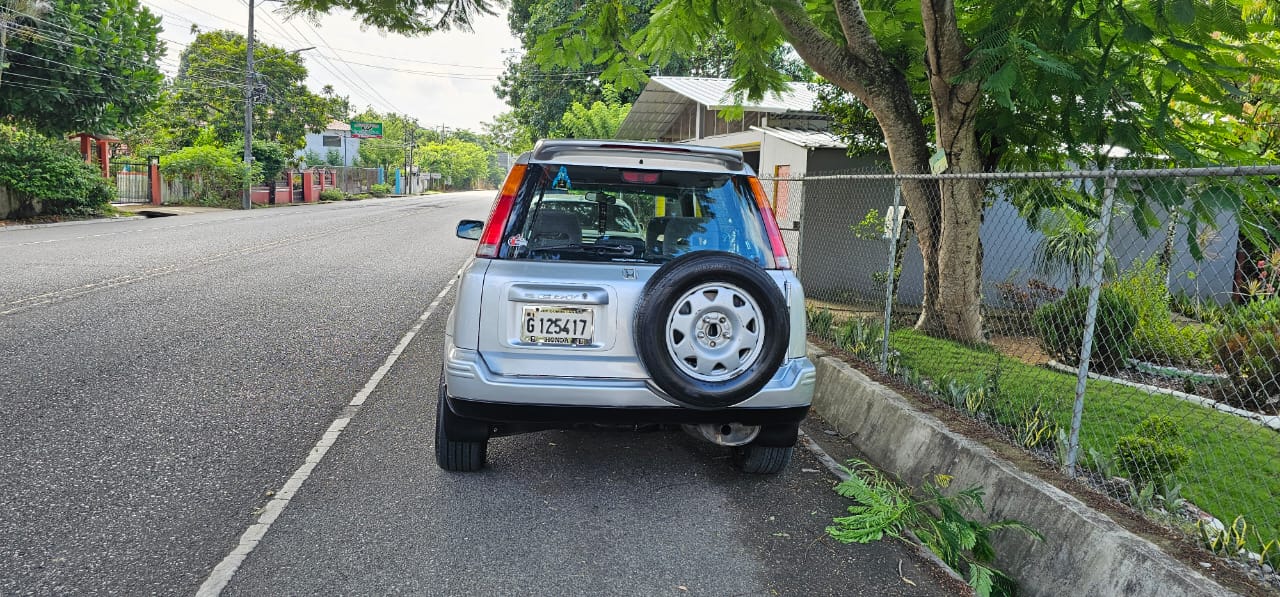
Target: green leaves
(48,170)
(460,163)
(882,508)
(209,88)
(600,121)
(85,65)
(403,16)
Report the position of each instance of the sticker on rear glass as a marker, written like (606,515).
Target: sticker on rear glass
(562,181)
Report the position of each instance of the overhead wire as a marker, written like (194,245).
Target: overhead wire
(335,70)
(325,43)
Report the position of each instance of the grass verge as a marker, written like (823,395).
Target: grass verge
(1235,464)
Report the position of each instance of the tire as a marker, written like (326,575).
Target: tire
(763,460)
(457,456)
(696,301)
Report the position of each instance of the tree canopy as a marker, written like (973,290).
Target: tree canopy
(209,91)
(460,163)
(81,65)
(403,16)
(599,121)
(540,92)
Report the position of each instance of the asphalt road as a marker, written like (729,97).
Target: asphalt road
(163,379)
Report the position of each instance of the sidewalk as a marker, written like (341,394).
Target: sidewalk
(166,210)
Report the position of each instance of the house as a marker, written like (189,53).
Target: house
(779,135)
(335,137)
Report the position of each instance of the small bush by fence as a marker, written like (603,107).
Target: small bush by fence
(209,175)
(1177,411)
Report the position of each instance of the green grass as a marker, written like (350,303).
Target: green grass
(1235,464)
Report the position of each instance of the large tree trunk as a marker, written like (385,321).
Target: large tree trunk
(958,311)
(946,215)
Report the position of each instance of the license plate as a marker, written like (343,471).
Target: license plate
(564,326)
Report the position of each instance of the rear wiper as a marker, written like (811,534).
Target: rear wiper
(618,248)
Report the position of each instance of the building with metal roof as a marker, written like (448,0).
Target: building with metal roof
(780,135)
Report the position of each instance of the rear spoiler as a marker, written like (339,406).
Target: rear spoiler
(548,150)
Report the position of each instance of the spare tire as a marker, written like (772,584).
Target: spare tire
(711,329)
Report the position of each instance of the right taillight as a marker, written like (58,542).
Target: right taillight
(491,238)
(770,225)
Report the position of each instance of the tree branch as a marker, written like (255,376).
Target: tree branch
(822,53)
(853,22)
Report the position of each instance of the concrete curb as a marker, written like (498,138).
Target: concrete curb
(1084,552)
(71,223)
(1269,421)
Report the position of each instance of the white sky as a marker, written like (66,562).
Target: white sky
(455,71)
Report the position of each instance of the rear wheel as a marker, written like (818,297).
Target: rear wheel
(460,455)
(763,460)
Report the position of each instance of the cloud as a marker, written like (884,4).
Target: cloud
(444,79)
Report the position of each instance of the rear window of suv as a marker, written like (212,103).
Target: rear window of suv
(594,213)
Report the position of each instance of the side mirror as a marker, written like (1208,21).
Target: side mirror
(470,229)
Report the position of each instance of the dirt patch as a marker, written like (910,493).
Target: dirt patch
(1024,348)
(1170,540)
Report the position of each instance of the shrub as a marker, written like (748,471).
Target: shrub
(49,172)
(212,174)
(332,195)
(1249,352)
(358,196)
(1151,455)
(380,190)
(1156,338)
(1060,325)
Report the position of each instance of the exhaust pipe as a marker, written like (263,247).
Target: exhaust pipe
(724,434)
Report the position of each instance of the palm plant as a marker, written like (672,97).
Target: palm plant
(1068,244)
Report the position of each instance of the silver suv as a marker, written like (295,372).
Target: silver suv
(626,284)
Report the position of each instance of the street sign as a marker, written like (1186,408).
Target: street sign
(366,130)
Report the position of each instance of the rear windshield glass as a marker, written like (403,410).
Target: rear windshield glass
(593,213)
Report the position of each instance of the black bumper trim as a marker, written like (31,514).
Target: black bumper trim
(496,412)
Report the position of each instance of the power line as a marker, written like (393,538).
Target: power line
(372,88)
(336,71)
(399,59)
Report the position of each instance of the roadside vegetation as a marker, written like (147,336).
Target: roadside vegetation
(1126,432)
(939,520)
(45,172)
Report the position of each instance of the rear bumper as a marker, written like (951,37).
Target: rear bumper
(473,386)
(556,416)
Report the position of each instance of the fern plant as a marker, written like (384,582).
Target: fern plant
(884,508)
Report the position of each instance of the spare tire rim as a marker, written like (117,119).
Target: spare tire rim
(715,332)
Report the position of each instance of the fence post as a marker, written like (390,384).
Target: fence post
(894,225)
(153,179)
(1091,318)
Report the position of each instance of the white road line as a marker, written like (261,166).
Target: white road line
(226,569)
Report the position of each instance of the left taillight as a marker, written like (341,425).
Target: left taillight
(491,238)
(770,225)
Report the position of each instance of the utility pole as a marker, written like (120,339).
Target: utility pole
(410,137)
(249,79)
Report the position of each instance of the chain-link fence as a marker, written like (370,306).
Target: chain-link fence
(1124,324)
(352,180)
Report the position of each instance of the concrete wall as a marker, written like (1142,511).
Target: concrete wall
(13,206)
(315,143)
(1083,552)
(839,266)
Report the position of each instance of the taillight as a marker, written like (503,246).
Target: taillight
(491,238)
(770,225)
